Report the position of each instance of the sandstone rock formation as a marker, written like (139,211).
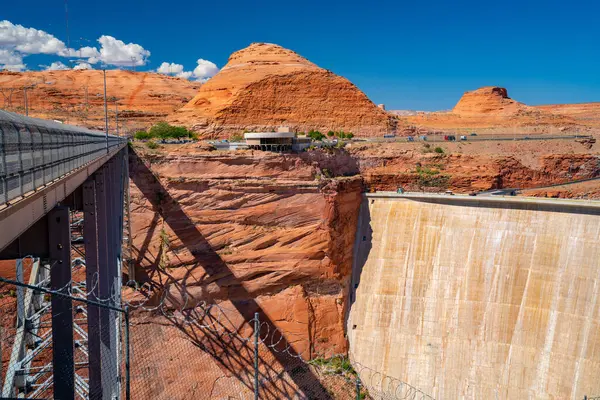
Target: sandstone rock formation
(77,97)
(490,110)
(488,100)
(476,166)
(264,86)
(263,227)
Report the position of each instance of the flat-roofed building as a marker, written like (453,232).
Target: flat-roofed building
(270,141)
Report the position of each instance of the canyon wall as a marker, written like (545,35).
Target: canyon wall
(265,232)
(479,299)
(474,166)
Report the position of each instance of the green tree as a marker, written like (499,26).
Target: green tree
(316,135)
(331,133)
(439,150)
(142,135)
(163,130)
(349,135)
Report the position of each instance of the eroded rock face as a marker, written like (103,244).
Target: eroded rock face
(265,232)
(487,100)
(264,86)
(473,167)
(77,97)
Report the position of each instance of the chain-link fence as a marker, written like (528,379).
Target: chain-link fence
(41,329)
(154,351)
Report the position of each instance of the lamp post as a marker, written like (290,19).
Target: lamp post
(105,110)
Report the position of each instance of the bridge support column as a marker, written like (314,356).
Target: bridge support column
(107,288)
(59,240)
(90,235)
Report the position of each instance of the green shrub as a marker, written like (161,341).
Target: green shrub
(331,133)
(236,137)
(315,135)
(163,130)
(439,150)
(152,145)
(349,135)
(142,135)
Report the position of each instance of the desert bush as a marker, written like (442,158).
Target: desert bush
(439,150)
(331,133)
(152,145)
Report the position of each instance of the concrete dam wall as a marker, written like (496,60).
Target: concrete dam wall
(473,298)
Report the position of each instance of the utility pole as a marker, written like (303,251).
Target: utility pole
(105,110)
(117,115)
(25,99)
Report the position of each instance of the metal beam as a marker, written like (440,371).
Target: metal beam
(23,213)
(59,237)
(90,237)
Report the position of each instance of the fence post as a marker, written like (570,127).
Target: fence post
(127,364)
(357,387)
(256,334)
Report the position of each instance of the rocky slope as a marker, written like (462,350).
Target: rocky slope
(264,86)
(474,166)
(77,97)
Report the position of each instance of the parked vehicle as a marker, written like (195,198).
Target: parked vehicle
(389,136)
(473,134)
(410,139)
(423,138)
(463,137)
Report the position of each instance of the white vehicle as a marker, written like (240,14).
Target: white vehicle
(463,137)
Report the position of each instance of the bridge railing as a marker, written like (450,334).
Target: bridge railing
(34,152)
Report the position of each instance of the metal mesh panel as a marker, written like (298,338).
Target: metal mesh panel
(36,152)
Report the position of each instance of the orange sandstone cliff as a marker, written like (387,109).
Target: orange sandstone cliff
(267,232)
(77,97)
(265,85)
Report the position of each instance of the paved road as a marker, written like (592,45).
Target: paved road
(480,138)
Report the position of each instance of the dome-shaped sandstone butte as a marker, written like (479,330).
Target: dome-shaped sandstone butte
(265,86)
(491,100)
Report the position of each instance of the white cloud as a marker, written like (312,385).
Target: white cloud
(84,52)
(29,40)
(57,66)
(21,41)
(170,68)
(185,74)
(11,61)
(116,52)
(203,71)
(83,65)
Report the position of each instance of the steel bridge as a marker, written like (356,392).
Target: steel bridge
(62,195)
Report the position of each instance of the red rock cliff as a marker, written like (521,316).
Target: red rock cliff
(262,231)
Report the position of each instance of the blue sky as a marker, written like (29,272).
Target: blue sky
(406,54)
